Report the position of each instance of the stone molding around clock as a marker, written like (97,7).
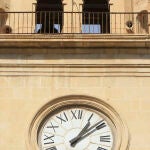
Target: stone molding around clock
(121,130)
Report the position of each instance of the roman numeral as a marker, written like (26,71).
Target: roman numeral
(63,118)
(51,148)
(100,148)
(51,138)
(76,114)
(53,127)
(90,117)
(105,138)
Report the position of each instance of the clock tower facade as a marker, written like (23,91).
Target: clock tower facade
(74,74)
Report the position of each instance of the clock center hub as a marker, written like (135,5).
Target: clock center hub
(80,145)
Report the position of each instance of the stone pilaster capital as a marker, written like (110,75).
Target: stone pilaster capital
(80,2)
(64,2)
(74,1)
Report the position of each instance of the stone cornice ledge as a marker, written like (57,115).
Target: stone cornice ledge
(74,41)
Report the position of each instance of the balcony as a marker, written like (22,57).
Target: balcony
(58,22)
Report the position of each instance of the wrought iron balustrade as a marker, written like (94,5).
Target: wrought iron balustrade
(50,22)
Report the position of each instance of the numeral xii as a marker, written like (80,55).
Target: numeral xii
(77,114)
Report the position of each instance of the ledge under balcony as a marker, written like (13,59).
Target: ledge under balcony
(87,30)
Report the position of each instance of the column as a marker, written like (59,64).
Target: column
(72,16)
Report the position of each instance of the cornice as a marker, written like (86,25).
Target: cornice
(76,70)
(74,41)
(10,65)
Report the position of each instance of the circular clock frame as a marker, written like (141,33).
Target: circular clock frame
(119,128)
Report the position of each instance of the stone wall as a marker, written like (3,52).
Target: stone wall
(31,76)
(140,5)
(28,5)
(4,5)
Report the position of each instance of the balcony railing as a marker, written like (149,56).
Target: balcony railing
(74,22)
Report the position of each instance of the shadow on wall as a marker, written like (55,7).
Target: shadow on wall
(99,54)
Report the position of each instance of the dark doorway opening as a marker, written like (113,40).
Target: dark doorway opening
(49,16)
(96,16)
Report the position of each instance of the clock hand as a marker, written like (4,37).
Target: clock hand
(89,131)
(81,133)
(85,127)
(83,130)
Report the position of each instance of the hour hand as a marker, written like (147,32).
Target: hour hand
(87,132)
(81,133)
(84,129)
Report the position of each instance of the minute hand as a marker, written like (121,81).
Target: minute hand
(89,131)
(81,133)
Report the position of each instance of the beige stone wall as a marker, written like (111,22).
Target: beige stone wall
(20,107)
(28,5)
(128,5)
(117,6)
(5,5)
(20,5)
(21,97)
(140,5)
(119,76)
(25,23)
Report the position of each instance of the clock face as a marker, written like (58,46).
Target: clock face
(76,128)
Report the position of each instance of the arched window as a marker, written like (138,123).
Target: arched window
(49,14)
(96,17)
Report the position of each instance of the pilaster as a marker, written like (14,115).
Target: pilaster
(72,16)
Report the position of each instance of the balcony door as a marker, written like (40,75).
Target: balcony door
(96,17)
(49,16)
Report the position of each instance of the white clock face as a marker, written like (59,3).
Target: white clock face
(76,129)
